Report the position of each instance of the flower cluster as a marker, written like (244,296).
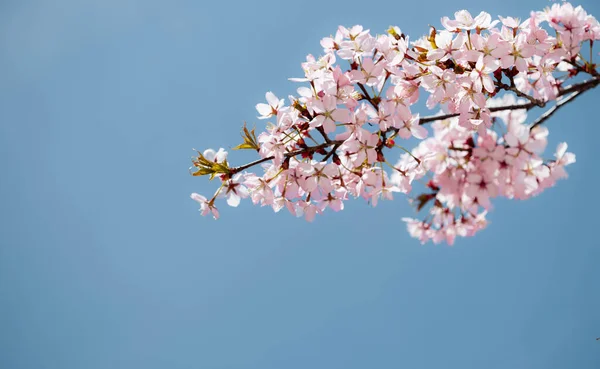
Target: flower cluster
(466,172)
(332,140)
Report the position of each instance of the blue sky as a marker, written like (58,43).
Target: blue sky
(105,262)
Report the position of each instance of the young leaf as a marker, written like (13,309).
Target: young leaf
(250,141)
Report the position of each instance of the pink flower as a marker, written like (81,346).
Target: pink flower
(417,229)
(441,84)
(268,110)
(317,175)
(259,189)
(480,189)
(360,43)
(510,22)
(491,46)
(372,72)
(517,56)
(532,172)
(563,158)
(206,206)
(273,145)
(234,190)
(309,209)
(464,21)
(447,46)
(328,113)
(216,156)
(334,200)
(411,127)
(385,116)
(481,74)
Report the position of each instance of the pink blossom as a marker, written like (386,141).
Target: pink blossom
(563,158)
(216,156)
(234,190)
(259,189)
(268,110)
(206,206)
(411,127)
(328,113)
(464,21)
(447,46)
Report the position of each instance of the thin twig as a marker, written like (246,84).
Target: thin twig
(553,109)
(322,132)
(367,96)
(577,90)
(330,153)
(434,118)
(582,86)
(512,88)
(287,155)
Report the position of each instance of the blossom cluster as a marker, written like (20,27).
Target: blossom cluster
(332,140)
(466,172)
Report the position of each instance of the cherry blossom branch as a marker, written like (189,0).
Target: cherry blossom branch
(322,132)
(512,88)
(434,118)
(587,68)
(462,67)
(287,155)
(576,89)
(367,96)
(331,152)
(581,87)
(553,110)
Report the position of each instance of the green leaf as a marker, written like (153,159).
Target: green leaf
(244,146)
(250,141)
(202,172)
(207,167)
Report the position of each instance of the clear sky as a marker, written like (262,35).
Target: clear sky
(105,261)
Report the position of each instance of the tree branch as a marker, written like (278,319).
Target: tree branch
(553,109)
(577,90)
(434,118)
(367,96)
(337,143)
(331,152)
(582,86)
(512,88)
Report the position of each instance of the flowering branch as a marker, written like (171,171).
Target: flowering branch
(552,110)
(576,87)
(512,88)
(484,74)
(288,155)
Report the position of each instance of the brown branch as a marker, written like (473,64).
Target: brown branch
(434,118)
(367,96)
(512,88)
(582,86)
(576,89)
(322,132)
(331,152)
(287,155)
(553,109)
